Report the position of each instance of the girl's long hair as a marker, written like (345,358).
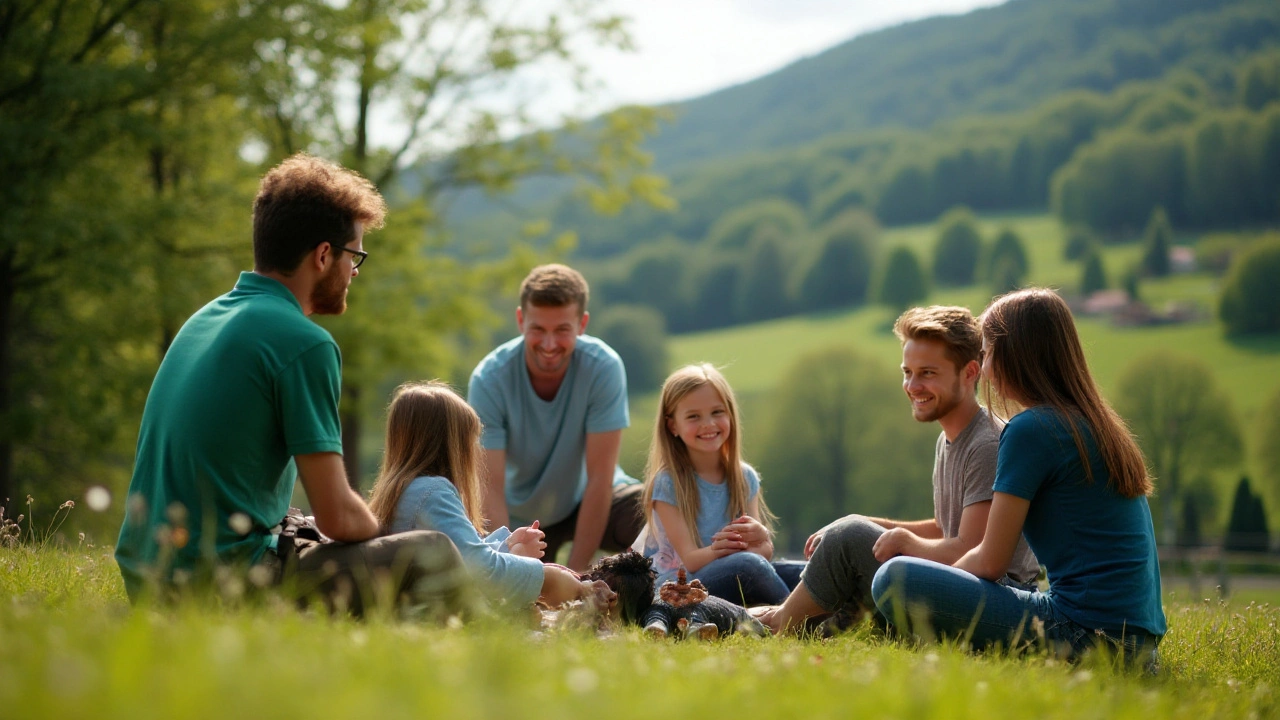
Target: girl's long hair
(430,431)
(1037,359)
(667,452)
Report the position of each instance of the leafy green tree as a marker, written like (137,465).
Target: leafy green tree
(1268,444)
(1259,81)
(907,197)
(1094,275)
(1183,421)
(1250,301)
(840,439)
(762,292)
(1008,248)
(1079,241)
(773,216)
(93,97)
(958,249)
(1247,528)
(1157,240)
(712,297)
(903,282)
(839,274)
(428,65)
(639,336)
(1131,282)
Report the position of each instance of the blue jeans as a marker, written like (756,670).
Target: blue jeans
(746,578)
(956,604)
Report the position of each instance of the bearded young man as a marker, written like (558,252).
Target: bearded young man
(246,401)
(941,364)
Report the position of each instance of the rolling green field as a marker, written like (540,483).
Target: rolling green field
(72,648)
(755,356)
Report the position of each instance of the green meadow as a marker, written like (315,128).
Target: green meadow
(71,647)
(755,356)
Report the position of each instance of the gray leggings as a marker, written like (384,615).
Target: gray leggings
(841,568)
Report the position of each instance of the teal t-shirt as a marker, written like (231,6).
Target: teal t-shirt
(248,383)
(1098,547)
(545,442)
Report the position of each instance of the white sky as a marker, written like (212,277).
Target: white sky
(686,48)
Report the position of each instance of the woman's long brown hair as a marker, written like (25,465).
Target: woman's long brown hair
(430,431)
(1037,359)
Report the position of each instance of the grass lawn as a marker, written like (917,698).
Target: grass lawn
(72,648)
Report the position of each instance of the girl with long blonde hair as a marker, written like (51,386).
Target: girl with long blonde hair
(702,502)
(1071,479)
(429,480)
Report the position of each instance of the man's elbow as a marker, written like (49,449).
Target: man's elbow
(347,529)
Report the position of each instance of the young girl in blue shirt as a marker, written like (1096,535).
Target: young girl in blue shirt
(429,480)
(1071,479)
(702,503)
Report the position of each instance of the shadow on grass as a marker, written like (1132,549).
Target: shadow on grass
(1260,344)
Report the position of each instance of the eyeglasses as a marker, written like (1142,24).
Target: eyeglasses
(360,256)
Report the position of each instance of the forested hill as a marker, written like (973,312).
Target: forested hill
(994,60)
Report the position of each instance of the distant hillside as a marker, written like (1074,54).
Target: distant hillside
(988,61)
(859,122)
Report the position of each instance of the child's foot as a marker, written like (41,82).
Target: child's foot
(656,630)
(702,631)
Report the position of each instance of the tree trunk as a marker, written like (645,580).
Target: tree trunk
(351,434)
(7,283)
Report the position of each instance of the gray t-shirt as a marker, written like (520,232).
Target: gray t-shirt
(964,472)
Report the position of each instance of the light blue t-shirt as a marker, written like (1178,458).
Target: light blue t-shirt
(713,515)
(433,503)
(546,442)
(1097,546)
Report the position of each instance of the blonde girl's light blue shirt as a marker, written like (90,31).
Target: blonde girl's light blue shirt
(713,515)
(433,503)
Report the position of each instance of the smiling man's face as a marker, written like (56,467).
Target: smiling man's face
(550,334)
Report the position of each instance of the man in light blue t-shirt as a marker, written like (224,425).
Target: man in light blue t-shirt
(554,403)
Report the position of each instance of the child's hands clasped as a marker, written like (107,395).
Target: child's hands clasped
(527,541)
(753,534)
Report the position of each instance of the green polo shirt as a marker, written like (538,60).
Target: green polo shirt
(248,383)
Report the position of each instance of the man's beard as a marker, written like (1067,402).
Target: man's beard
(329,296)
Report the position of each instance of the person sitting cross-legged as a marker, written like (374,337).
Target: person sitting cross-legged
(246,401)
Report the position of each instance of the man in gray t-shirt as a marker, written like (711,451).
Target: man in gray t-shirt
(940,369)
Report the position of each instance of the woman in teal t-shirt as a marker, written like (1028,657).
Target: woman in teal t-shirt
(1071,479)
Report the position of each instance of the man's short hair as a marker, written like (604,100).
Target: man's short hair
(954,327)
(554,285)
(305,201)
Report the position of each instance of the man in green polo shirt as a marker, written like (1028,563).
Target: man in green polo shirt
(246,400)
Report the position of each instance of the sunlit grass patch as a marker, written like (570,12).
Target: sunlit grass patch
(72,648)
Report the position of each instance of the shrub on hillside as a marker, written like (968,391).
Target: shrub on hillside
(958,250)
(1079,241)
(639,336)
(1094,275)
(839,274)
(737,228)
(762,292)
(1251,292)
(1156,243)
(1007,264)
(903,282)
(712,293)
(1247,529)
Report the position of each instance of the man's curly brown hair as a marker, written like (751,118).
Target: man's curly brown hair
(305,201)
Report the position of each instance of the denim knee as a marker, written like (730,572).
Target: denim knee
(894,569)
